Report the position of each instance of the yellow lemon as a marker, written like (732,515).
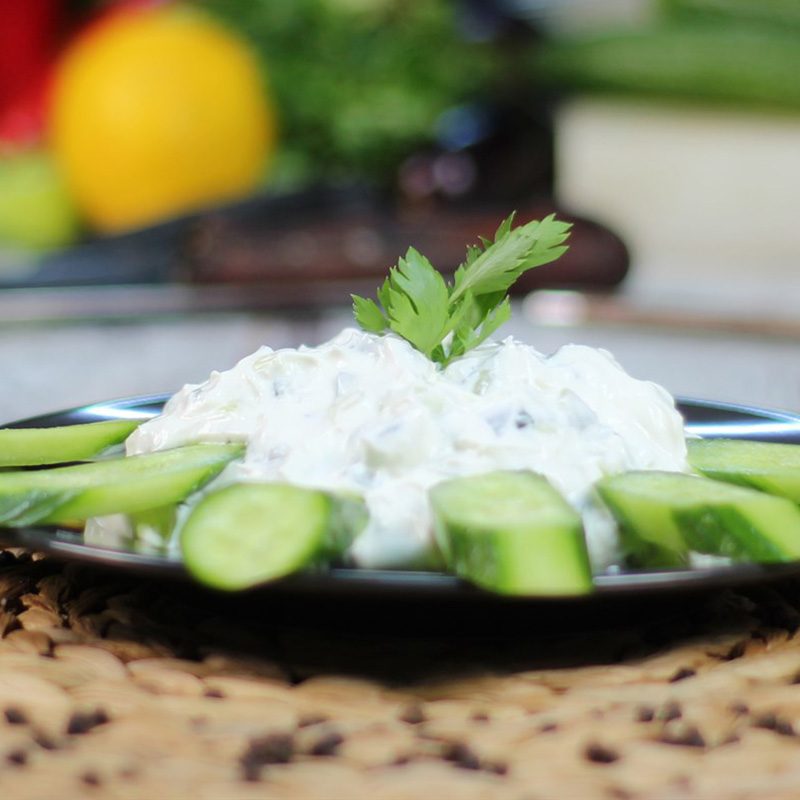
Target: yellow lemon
(156,112)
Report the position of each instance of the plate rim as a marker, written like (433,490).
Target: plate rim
(64,545)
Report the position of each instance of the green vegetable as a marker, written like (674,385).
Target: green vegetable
(154,525)
(249,533)
(121,486)
(511,532)
(778,14)
(733,63)
(359,85)
(26,447)
(445,320)
(769,466)
(664,515)
(37,212)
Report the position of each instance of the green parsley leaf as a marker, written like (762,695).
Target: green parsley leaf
(513,251)
(417,302)
(369,315)
(470,334)
(443,320)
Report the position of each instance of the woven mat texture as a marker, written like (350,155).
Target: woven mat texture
(113,689)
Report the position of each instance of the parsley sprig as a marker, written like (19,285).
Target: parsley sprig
(444,320)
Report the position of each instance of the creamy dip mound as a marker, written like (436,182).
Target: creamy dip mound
(370,414)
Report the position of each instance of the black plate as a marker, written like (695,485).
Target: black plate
(704,418)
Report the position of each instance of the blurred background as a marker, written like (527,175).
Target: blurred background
(181,182)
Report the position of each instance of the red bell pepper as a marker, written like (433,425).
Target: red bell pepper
(29,38)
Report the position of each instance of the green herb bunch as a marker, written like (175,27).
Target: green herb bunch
(359,84)
(445,319)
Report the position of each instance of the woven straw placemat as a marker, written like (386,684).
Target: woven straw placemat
(120,688)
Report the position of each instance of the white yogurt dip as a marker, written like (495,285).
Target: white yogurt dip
(371,414)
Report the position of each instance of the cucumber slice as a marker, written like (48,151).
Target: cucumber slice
(121,486)
(511,532)
(154,525)
(769,466)
(250,533)
(31,447)
(664,515)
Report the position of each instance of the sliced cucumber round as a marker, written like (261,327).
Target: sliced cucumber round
(250,533)
(511,532)
(769,466)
